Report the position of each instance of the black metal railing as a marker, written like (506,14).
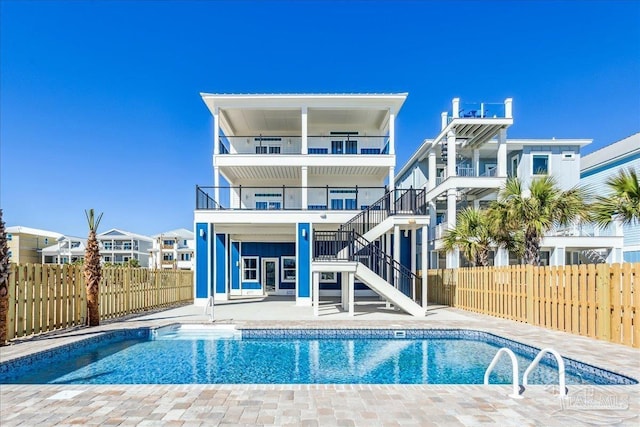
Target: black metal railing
(398,201)
(286,197)
(350,246)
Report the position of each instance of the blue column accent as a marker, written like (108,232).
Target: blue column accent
(221,270)
(405,250)
(235,262)
(303,254)
(202,257)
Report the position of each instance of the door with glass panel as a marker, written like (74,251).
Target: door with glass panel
(270,275)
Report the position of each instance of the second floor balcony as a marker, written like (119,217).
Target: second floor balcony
(327,198)
(293,144)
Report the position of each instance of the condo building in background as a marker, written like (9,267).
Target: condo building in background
(173,250)
(26,244)
(118,247)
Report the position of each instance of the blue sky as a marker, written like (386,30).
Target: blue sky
(100,104)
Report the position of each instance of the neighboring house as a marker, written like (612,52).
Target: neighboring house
(289,171)
(25,244)
(67,250)
(470,160)
(597,167)
(118,247)
(173,250)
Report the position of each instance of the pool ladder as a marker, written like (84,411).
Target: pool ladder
(517,389)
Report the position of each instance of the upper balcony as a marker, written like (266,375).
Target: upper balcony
(287,198)
(293,144)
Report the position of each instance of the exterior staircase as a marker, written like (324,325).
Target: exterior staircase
(356,241)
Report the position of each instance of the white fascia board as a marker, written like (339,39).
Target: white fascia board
(462,182)
(231,216)
(392,101)
(582,242)
(343,160)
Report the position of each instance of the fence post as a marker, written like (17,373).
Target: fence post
(11,317)
(127,290)
(529,284)
(603,276)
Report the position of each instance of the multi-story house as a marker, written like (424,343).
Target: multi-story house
(25,244)
(468,162)
(118,247)
(595,170)
(66,250)
(173,250)
(290,171)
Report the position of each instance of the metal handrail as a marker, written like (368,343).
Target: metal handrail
(561,380)
(347,245)
(514,365)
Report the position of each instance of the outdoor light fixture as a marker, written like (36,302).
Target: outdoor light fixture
(304,232)
(202,232)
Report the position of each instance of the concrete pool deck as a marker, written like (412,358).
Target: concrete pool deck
(331,405)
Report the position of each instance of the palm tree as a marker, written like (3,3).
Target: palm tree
(535,210)
(622,204)
(92,271)
(4,281)
(472,235)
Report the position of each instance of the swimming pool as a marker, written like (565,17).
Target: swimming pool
(187,355)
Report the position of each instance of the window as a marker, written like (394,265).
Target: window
(107,259)
(540,164)
(568,155)
(127,246)
(107,245)
(261,149)
(167,242)
(268,201)
(369,151)
(336,147)
(9,237)
(250,269)
(288,269)
(10,254)
(185,257)
(318,151)
(274,149)
(167,257)
(326,277)
(343,199)
(351,147)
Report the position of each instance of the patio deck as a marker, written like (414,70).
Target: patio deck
(334,405)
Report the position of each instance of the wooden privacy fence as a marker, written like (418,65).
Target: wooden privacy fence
(596,300)
(46,297)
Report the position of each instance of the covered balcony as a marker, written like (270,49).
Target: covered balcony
(284,197)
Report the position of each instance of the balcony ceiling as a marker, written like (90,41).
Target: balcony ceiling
(248,122)
(476,134)
(279,173)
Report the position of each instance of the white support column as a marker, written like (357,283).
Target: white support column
(452,257)
(305,137)
(508,108)
(392,133)
(344,292)
(423,257)
(304,184)
(557,256)
(413,261)
(451,153)
(216,185)
(431,184)
(502,154)
(351,293)
(396,246)
(216,132)
(476,162)
(392,179)
(455,105)
(316,293)
(501,259)
(444,118)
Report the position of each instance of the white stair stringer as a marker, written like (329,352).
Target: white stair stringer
(388,292)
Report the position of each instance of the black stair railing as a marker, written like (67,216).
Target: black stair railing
(350,246)
(398,201)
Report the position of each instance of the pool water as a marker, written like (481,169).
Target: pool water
(190,358)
